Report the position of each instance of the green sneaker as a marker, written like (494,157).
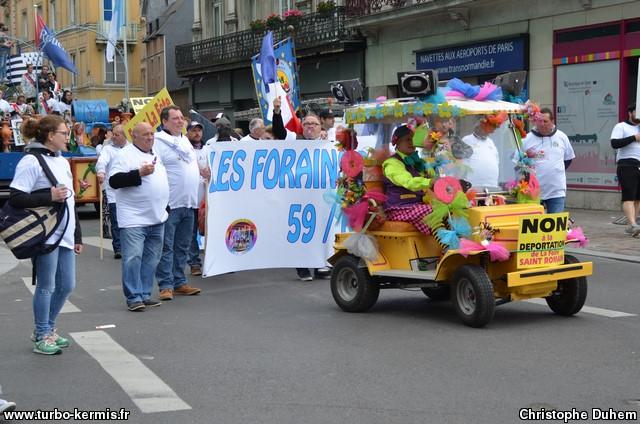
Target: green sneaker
(59,340)
(46,346)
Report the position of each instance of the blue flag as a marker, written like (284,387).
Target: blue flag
(49,44)
(268,61)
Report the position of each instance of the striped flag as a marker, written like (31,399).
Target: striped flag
(17,65)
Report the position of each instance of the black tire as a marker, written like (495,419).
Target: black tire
(571,293)
(472,296)
(441,293)
(352,287)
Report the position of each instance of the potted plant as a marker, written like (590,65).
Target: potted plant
(258,25)
(292,17)
(274,21)
(326,7)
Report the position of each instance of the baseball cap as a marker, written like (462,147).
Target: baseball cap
(194,124)
(326,114)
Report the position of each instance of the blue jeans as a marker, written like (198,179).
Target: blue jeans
(115,230)
(141,247)
(55,280)
(178,232)
(194,251)
(554,205)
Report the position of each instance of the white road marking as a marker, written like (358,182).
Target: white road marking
(590,310)
(95,242)
(68,306)
(145,389)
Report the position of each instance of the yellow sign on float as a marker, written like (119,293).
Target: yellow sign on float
(541,240)
(150,113)
(138,103)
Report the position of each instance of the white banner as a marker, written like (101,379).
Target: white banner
(267,207)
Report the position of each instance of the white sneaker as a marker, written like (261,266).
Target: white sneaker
(307,278)
(6,406)
(633,230)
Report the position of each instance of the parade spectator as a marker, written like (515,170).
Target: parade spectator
(553,154)
(53,85)
(256,130)
(48,105)
(625,138)
(139,179)
(327,121)
(98,138)
(64,105)
(179,157)
(5,51)
(268,133)
(20,107)
(194,134)
(28,83)
(55,271)
(5,107)
(310,131)
(43,76)
(103,170)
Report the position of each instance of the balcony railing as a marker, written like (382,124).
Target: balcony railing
(313,31)
(103,28)
(368,7)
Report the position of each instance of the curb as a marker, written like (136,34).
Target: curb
(608,255)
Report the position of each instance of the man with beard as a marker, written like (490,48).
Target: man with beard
(194,134)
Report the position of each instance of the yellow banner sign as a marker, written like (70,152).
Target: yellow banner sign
(137,103)
(541,240)
(150,113)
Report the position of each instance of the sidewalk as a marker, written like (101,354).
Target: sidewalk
(605,237)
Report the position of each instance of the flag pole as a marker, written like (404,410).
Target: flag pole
(40,51)
(126,62)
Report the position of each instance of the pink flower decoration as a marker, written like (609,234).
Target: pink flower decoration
(534,186)
(351,163)
(446,188)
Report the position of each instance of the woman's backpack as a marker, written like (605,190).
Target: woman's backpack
(25,231)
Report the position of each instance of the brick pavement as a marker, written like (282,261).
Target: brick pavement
(603,235)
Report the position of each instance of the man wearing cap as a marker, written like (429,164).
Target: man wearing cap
(194,134)
(224,131)
(405,180)
(625,138)
(179,158)
(256,130)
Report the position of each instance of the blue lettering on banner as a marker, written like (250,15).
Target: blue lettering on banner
(489,57)
(307,220)
(274,168)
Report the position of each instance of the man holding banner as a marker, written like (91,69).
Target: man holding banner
(179,157)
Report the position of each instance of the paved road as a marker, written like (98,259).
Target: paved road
(261,347)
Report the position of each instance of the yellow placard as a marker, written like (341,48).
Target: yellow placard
(150,113)
(138,103)
(541,240)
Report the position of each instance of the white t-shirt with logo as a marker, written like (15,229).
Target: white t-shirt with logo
(484,163)
(182,170)
(30,177)
(146,204)
(624,130)
(551,152)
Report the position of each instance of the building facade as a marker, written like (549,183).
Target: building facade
(82,26)
(581,57)
(217,63)
(168,24)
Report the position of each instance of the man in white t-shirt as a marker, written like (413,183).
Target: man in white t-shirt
(553,154)
(256,130)
(484,162)
(142,194)
(625,138)
(180,158)
(5,107)
(103,169)
(194,134)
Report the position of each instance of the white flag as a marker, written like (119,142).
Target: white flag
(117,21)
